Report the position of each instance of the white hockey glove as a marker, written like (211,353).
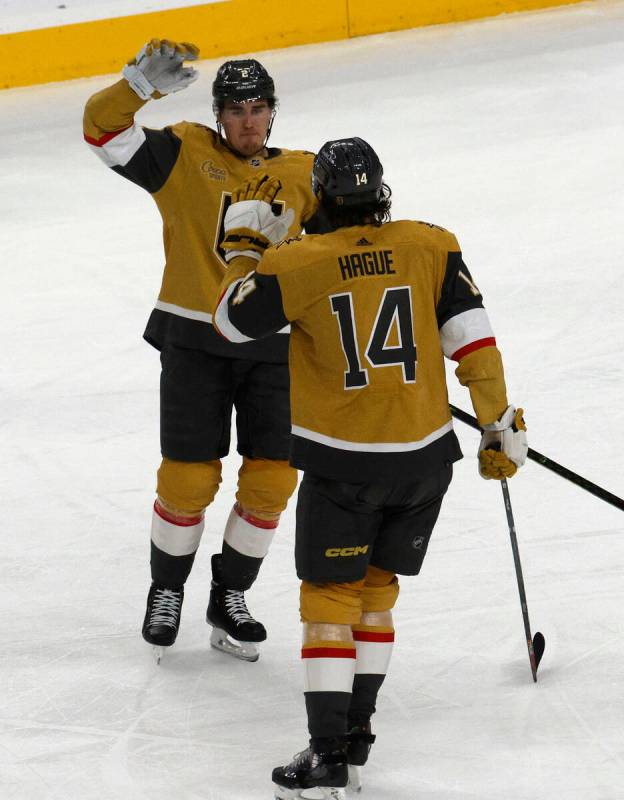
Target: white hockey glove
(250,223)
(503,446)
(158,68)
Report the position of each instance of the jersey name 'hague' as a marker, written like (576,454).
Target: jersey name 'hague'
(191,173)
(373,311)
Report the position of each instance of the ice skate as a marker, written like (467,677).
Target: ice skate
(162,618)
(318,773)
(359,742)
(235,631)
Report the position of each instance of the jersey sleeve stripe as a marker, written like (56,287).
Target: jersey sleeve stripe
(117,150)
(221,318)
(489,341)
(102,140)
(463,330)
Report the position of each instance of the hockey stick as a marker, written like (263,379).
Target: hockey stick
(537,643)
(564,472)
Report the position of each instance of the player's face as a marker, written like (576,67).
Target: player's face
(246,125)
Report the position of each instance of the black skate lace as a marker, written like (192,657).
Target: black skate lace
(165,607)
(236,607)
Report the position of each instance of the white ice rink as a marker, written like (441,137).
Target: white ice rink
(510,132)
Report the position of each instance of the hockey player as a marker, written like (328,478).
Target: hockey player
(373,306)
(190,170)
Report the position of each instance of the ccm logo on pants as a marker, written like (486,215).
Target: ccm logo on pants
(335,552)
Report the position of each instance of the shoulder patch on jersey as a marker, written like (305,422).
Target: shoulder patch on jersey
(432,225)
(290,240)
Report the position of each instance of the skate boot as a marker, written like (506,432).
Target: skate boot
(319,772)
(235,631)
(162,617)
(359,743)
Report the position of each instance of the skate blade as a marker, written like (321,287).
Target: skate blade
(355,780)
(246,651)
(158,652)
(319,793)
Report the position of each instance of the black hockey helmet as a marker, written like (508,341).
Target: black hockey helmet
(242,81)
(348,171)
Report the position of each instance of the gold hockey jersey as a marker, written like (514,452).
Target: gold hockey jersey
(191,173)
(373,310)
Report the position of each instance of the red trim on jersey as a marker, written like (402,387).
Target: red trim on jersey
(370,636)
(470,348)
(106,138)
(176,519)
(265,524)
(327,652)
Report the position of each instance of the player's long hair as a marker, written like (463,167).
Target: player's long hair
(372,213)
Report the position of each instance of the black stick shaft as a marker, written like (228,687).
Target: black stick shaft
(553,466)
(519,578)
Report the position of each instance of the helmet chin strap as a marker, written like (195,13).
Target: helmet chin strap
(270,128)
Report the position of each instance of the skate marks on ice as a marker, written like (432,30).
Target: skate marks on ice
(85,761)
(596,738)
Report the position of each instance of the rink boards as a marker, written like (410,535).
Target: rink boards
(226,27)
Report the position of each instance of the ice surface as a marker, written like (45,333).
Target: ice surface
(509,132)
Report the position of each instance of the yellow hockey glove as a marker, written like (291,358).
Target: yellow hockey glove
(262,187)
(158,68)
(503,447)
(250,223)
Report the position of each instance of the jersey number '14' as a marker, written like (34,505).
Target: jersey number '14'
(395,308)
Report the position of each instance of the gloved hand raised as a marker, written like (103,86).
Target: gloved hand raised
(503,446)
(158,68)
(250,223)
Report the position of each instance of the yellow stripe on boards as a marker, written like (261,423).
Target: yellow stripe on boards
(104,46)
(370,16)
(226,28)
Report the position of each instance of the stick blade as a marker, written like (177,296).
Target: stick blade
(539,643)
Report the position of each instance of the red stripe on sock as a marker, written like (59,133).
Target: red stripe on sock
(470,348)
(106,138)
(266,524)
(369,636)
(175,519)
(328,652)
